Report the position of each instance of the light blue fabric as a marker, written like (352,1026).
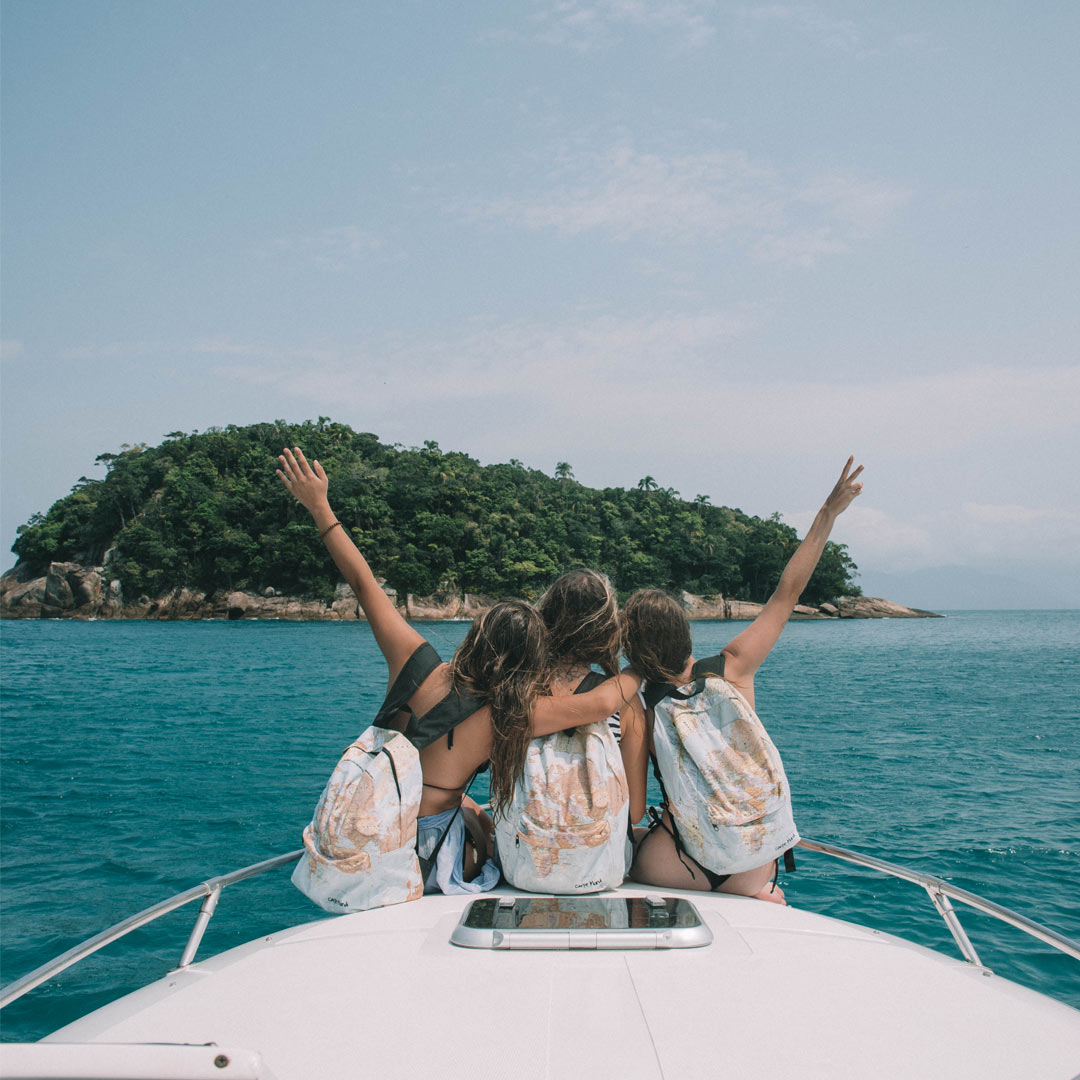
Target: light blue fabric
(446,876)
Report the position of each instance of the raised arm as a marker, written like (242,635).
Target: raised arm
(746,653)
(551,714)
(308,483)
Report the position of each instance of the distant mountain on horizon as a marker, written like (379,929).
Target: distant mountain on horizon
(959,588)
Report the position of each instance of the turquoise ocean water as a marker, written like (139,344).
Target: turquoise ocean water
(140,758)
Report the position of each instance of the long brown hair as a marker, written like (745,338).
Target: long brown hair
(656,635)
(504,658)
(581,614)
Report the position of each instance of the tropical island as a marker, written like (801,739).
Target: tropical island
(200,527)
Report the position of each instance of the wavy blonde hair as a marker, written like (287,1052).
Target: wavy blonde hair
(581,614)
(656,635)
(504,658)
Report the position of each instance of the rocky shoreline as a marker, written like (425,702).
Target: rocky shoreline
(71,591)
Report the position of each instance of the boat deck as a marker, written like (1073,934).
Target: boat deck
(384,994)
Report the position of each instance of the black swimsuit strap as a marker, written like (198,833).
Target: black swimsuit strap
(442,717)
(415,670)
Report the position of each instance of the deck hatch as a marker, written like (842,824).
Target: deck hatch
(581,922)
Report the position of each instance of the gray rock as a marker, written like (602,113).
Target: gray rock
(236,604)
(15,593)
(804,611)
(705,607)
(88,588)
(874,607)
(347,609)
(742,609)
(58,593)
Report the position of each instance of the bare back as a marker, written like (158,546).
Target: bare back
(447,769)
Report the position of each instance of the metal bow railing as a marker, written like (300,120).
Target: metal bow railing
(208,890)
(939,891)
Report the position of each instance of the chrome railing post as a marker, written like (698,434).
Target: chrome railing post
(210,889)
(952,921)
(206,911)
(935,885)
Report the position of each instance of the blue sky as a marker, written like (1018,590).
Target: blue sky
(722,244)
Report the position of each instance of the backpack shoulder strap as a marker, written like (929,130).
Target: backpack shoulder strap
(591,681)
(442,718)
(417,668)
(711,665)
(654,693)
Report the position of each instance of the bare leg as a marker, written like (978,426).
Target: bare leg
(478,825)
(756,883)
(656,862)
(482,816)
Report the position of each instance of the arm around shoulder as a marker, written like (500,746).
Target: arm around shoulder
(551,714)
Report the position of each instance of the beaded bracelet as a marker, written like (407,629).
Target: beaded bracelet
(322,535)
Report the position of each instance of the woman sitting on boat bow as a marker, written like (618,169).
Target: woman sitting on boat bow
(502,662)
(564,830)
(726,816)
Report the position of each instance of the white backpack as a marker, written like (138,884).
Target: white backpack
(566,829)
(721,775)
(360,847)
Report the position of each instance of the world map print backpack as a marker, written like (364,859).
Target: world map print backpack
(566,829)
(360,846)
(721,776)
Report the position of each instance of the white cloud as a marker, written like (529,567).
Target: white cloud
(587,26)
(883,540)
(672,395)
(800,247)
(1007,515)
(114,350)
(839,34)
(862,206)
(923,416)
(335,248)
(988,537)
(1032,536)
(709,196)
(627,361)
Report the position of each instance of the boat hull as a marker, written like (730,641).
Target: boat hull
(384,993)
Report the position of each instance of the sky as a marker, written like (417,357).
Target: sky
(721,244)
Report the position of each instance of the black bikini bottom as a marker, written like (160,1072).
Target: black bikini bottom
(715,880)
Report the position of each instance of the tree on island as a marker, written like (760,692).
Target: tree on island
(206,511)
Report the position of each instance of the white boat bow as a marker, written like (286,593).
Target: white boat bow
(384,993)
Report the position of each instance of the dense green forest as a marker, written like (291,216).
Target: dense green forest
(207,511)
